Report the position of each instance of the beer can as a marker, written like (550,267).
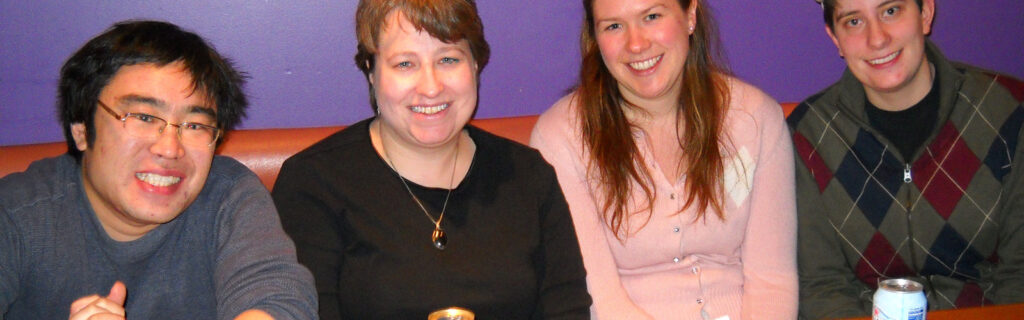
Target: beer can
(899,299)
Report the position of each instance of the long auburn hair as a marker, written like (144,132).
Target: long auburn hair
(616,161)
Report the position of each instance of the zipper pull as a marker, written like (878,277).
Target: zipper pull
(906,174)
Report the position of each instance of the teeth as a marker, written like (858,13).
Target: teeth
(646,64)
(430,110)
(886,58)
(157,180)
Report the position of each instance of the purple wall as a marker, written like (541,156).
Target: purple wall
(299,54)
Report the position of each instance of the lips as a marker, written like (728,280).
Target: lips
(645,64)
(885,59)
(157,180)
(429,110)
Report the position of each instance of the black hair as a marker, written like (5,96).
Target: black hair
(90,69)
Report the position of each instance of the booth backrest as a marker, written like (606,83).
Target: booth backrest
(264,150)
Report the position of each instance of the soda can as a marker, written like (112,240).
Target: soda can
(899,299)
(452,313)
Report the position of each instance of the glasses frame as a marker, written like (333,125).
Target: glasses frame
(123,118)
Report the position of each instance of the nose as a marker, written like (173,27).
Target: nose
(168,143)
(638,41)
(430,84)
(878,37)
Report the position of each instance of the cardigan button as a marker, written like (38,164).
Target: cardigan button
(695,270)
(676,259)
(676,229)
(672,196)
(700,301)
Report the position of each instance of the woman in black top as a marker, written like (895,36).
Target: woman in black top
(413,211)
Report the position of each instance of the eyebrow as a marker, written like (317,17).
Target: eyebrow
(642,12)
(444,49)
(449,47)
(842,14)
(134,98)
(160,104)
(401,55)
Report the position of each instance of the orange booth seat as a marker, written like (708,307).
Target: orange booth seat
(264,150)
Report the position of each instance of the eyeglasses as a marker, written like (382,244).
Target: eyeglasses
(148,126)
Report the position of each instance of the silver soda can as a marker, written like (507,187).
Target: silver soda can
(899,299)
(452,313)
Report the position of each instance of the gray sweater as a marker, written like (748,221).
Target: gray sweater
(225,254)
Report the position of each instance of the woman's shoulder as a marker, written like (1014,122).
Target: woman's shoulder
(561,114)
(499,152)
(745,94)
(749,99)
(561,121)
(336,145)
(493,144)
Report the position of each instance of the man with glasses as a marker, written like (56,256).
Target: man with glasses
(908,167)
(140,218)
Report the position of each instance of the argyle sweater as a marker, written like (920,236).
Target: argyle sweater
(951,217)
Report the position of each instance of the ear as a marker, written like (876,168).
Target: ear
(691,15)
(835,40)
(78,133)
(476,76)
(927,15)
(369,72)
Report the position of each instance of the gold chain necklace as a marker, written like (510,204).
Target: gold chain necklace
(438,237)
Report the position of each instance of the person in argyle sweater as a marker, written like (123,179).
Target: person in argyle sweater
(908,166)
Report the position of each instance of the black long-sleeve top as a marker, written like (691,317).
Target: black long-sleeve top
(512,251)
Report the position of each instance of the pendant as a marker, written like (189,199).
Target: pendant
(440,239)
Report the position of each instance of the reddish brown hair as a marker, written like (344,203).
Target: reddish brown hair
(616,161)
(447,20)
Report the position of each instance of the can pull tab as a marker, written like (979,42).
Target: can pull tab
(907,178)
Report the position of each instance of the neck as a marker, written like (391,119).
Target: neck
(906,97)
(654,112)
(122,231)
(427,166)
(654,118)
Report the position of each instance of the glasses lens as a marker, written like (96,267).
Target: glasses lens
(143,125)
(197,134)
(147,126)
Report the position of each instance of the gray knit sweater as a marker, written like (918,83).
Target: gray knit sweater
(225,254)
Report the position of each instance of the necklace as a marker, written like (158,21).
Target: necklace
(438,237)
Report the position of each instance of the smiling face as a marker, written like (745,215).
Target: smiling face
(644,44)
(883,43)
(426,89)
(135,183)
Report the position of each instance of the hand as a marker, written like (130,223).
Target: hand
(95,307)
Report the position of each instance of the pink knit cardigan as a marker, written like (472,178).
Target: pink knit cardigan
(673,267)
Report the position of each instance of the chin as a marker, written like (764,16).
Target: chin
(160,216)
(164,212)
(435,136)
(653,92)
(889,85)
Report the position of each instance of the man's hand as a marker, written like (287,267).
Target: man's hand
(95,307)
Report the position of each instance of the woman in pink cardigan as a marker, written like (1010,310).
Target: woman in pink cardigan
(679,177)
